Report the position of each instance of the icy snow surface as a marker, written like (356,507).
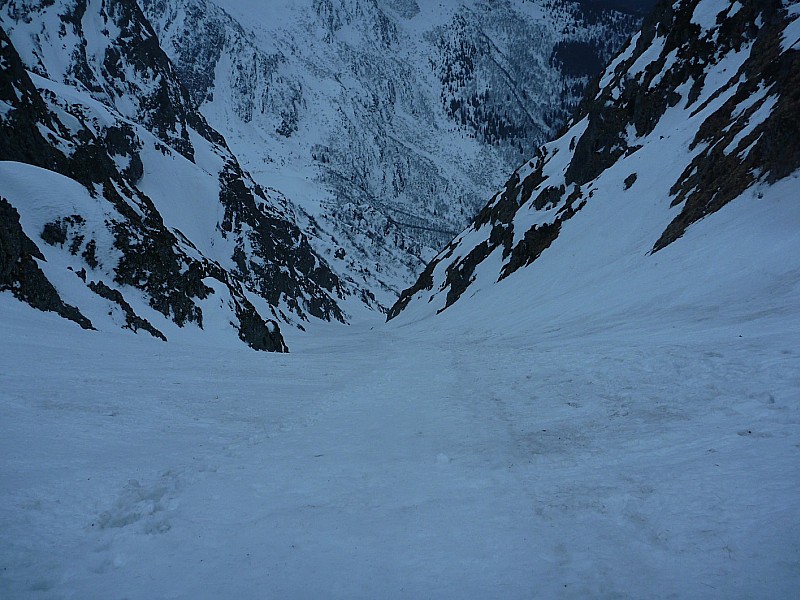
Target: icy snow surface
(638,440)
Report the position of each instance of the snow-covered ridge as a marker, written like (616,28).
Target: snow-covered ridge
(167,224)
(698,110)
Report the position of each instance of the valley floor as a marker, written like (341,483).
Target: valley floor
(401,462)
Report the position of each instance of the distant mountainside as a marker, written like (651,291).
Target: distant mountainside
(121,205)
(386,124)
(696,118)
(633,7)
(180,166)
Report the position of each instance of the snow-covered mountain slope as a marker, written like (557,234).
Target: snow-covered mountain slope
(451,458)
(387,123)
(676,179)
(134,208)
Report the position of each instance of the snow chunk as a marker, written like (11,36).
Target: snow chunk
(648,56)
(5,108)
(791,34)
(668,62)
(608,74)
(705,13)
(759,116)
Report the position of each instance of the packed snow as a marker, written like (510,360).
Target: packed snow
(636,440)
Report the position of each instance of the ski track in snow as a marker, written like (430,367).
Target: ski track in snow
(561,462)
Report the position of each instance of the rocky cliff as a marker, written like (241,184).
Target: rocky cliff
(157,214)
(698,110)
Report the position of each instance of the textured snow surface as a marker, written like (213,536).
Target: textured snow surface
(635,439)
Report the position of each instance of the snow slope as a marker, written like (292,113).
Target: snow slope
(601,423)
(650,454)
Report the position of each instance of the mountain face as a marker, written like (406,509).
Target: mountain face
(697,112)
(362,136)
(121,205)
(385,124)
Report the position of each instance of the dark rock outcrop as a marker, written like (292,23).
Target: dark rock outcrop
(143,94)
(739,150)
(22,276)
(132,321)
(151,258)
